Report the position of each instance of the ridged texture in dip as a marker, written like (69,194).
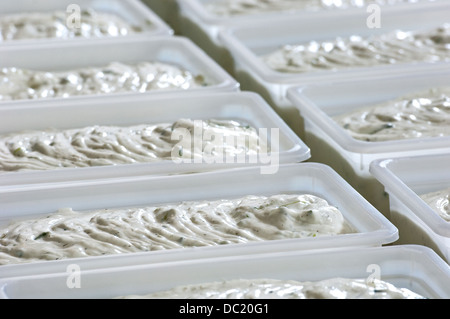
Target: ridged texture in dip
(54,25)
(439,201)
(112,145)
(69,233)
(356,51)
(116,77)
(333,288)
(417,115)
(246,7)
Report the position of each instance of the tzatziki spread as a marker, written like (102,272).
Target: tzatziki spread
(59,25)
(116,77)
(247,7)
(102,145)
(68,233)
(333,288)
(357,51)
(439,201)
(416,115)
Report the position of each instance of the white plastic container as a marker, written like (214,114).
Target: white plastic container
(174,50)
(416,268)
(372,229)
(133,12)
(198,22)
(247,43)
(405,180)
(330,144)
(247,107)
(199,12)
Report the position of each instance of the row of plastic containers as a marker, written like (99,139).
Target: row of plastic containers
(391,174)
(28,194)
(309,101)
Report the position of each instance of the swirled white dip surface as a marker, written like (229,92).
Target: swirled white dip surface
(356,51)
(113,145)
(246,7)
(439,201)
(333,288)
(58,25)
(69,233)
(416,115)
(116,77)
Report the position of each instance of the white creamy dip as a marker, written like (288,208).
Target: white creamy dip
(44,25)
(333,288)
(116,77)
(243,7)
(356,51)
(439,201)
(112,145)
(69,233)
(416,115)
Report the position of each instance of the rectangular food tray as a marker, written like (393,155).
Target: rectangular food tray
(248,42)
(416,268)
(246,107)
(174,50)
(132,11)
(371,228)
